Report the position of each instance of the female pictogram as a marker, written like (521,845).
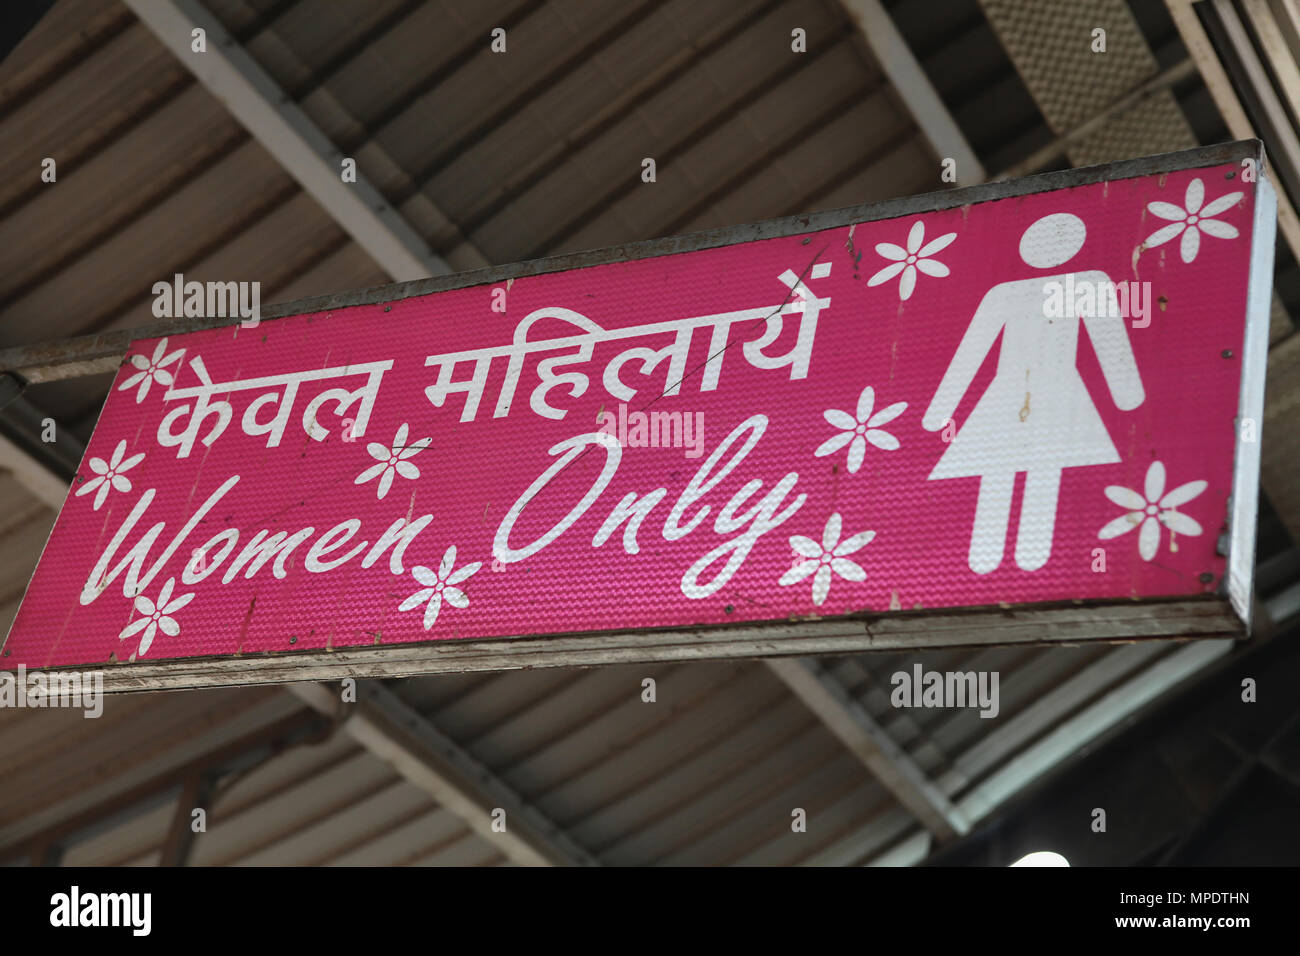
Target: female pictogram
(1036,416)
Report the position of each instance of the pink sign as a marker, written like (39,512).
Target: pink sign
(1017,401)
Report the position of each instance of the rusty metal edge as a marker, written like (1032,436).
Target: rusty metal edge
(1208,616)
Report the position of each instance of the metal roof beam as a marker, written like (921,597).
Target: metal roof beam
(849,721)
(196,794)
(253,98)
(402,737)
(1227,99)
(913,87)
(1069,737)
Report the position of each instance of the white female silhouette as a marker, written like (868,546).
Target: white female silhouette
(1036,415)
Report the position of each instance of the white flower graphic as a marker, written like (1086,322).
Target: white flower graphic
(156,616)
(393,460)
(151,370)
(1192,221)
(109,474)
(913,258)
(440,585)
(862,429)
(1152,509)
(827,557)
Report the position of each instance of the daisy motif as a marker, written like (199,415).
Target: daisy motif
(1152,509)
(393,460)
(108,474)
(826,558)
(856,432)
(440,585)
(156,616)
(908,261)
(151,370)
(1192,221)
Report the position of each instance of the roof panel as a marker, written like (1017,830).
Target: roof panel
(74,113)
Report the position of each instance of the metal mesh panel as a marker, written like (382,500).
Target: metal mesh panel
(1050,44)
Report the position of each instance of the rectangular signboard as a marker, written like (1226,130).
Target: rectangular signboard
(1013,413)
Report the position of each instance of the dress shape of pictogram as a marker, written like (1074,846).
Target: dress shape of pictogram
(1036,415)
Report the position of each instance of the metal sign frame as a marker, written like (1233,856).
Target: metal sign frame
(1224,614)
